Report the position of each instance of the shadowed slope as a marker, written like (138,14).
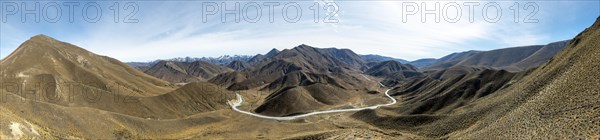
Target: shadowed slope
(433,96)
(238,65)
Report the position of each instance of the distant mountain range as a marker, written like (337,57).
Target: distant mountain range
(512,59)
(379,58)
(221,60)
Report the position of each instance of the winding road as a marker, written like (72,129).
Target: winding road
(236,103)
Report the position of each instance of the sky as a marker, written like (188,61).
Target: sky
(147,30)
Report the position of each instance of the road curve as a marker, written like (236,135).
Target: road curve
(236,103)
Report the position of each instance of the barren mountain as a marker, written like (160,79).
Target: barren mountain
(302,92)
(321,60)
(238,65)
(302,99)
(387,68)
(185,72)
(259,57)
(303,57)
(301,79)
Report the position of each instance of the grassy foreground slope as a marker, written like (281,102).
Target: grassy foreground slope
(558,100)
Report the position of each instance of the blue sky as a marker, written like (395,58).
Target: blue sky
(176,29)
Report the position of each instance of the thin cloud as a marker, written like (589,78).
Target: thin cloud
(175,29)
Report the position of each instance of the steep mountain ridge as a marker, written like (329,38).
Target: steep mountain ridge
(238,65)
(259,57)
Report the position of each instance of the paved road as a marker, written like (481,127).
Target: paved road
(236,103)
